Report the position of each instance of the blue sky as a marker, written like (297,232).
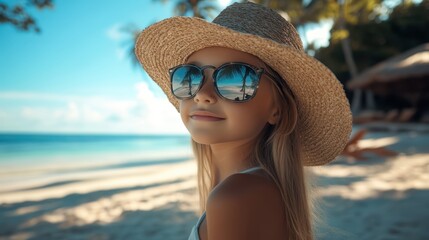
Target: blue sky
(76,75)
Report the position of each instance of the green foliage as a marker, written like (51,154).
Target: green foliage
(313,11)
(195,8)
(17,15)
(360,11)
(338,35)
(302,12)
(376,40)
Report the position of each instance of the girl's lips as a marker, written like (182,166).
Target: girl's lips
(206,118)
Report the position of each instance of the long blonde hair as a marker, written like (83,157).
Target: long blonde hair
(277,151)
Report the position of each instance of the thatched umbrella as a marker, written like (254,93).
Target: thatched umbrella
(405,75)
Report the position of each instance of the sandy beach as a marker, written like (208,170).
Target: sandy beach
(369,199)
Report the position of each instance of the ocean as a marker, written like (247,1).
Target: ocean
(36,152)
(31,158)
(66,151)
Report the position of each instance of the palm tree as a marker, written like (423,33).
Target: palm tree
(348,56)
(196,8)
(243,87)
(133,31)
(187,80)
(19,16)
(302,12)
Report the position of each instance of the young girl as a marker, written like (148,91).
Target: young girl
(258,110)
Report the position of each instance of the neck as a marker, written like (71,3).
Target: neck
(230,158)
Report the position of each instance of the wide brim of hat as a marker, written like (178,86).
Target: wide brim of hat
(324,121)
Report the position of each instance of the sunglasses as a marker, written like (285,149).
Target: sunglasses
(234,81)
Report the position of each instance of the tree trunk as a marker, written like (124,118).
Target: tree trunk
(348,55)
(370,102)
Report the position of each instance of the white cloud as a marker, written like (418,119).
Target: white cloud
(119,33)
(115,33)
(13,96)
(156,111)
(36,112)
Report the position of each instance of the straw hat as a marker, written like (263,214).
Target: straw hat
(324,123)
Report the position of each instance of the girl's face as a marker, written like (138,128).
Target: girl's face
(211,119)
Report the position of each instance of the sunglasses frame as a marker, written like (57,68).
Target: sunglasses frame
(259,71)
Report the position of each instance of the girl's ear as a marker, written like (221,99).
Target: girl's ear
(274,117)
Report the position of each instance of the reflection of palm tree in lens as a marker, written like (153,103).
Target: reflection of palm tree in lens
(187,80)
(243,88)
(254,83)
(230,73)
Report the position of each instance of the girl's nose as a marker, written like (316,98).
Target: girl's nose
(207,93)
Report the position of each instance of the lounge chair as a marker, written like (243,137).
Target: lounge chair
(406,115)
(391,115)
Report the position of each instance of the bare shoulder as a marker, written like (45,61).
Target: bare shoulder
(243,206)
(249,187)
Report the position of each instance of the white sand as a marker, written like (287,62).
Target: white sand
(372,199)
(154,202)
(378,198)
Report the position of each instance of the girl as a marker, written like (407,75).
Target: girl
(258,110)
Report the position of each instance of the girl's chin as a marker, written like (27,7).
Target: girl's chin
(207,139)
(203,140)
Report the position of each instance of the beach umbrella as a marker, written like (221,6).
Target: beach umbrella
(405,75)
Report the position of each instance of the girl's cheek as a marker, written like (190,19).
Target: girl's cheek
(184,111)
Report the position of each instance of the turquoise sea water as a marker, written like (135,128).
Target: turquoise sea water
(41,151)
(23,151)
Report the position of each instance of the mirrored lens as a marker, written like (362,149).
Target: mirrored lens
(185,81)
(237,82)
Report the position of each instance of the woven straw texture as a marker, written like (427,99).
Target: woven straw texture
(325,122)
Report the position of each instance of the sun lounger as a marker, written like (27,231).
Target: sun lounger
(406,115)
(368,116)
(391,115)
